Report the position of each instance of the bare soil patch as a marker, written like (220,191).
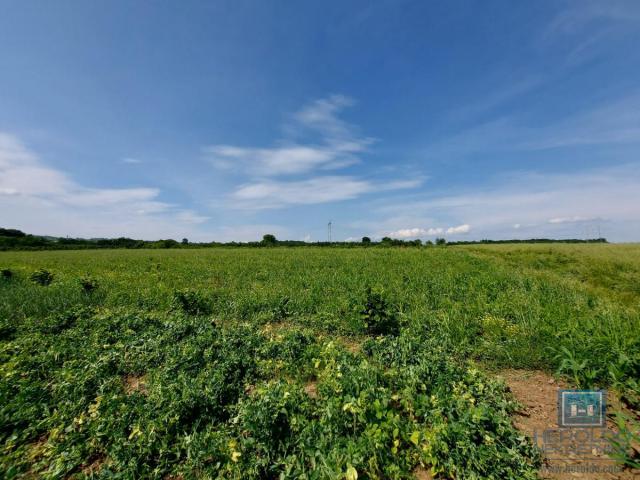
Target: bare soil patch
(135,383)
(311,389)
(538,393)
(352,345)
(93,465)
(421,473)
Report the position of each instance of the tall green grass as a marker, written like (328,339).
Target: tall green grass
(518,306)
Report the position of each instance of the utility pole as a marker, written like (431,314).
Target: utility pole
(329,231)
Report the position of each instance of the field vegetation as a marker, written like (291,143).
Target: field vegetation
(300,362)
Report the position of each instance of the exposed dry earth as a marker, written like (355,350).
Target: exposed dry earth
(538,392)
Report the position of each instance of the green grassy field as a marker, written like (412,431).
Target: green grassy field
(300,362)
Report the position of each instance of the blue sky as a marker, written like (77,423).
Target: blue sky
(229,120)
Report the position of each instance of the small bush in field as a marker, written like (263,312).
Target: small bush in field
(42,277)
(281,310)
(6,274)
(88,284)
(377,315)
(191,302)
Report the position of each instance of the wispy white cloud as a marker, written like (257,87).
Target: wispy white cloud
(131,160)
(41,199)
(574,219)
(272,194)
(329,143)
(284,160)
(552,204)
(613,123)
(500,94)
(275,194)
(583,14)
(317,141)
(584,30)
(322,116)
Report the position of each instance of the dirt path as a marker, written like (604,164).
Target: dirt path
(538,392)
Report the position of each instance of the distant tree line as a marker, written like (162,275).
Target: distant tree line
(531,240)
(12,239)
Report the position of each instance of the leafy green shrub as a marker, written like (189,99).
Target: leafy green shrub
(42,277)
(623,444)
(465,430)
(59,322)
(577,366)
(281,310)
(624,374)
(293,352)
(7,330)
(88,284)
(380,418)
(267,415)
(378,317)
(404,403)
(191,302)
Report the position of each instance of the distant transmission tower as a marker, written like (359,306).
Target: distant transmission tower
(329,231)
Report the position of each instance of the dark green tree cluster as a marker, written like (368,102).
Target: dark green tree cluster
(13,239)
